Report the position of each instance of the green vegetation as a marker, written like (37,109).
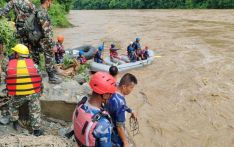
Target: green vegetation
(58,14)
(152,4)
(7,33)
(66,4)
(58,11)
(83,71)
(67,61)
(83,68)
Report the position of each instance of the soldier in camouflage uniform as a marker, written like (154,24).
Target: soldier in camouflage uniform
(46,42)
(24,91)
(34,111)
(22,10)
(3,61)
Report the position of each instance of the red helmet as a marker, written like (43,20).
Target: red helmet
(102,83)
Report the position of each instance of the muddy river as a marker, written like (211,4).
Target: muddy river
(186,97)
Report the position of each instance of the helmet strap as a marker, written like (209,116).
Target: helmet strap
(102,97)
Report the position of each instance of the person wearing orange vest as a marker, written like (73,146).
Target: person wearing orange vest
(24,84)
(92,125)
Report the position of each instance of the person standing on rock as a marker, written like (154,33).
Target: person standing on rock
(24,84)
(117,107)
(59,50)
(46,42)
(92,125)
(22,10)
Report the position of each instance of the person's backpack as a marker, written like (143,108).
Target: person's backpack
(32,28)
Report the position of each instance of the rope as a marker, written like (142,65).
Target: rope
(134,126)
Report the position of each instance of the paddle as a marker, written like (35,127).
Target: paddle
(157,56)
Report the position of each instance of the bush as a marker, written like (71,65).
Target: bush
(7,33)
(84,67)
(58,15)
(67,4)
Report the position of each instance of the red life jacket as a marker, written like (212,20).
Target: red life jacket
(60,49)
(113,53)
(139,52)
(83,60)
(22,77)
(84,125)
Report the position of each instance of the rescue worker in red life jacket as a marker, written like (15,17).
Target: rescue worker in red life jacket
(92,125)
(137,47)
(145,53)
(81,57)
(115,57)
(59,50)
(24,84)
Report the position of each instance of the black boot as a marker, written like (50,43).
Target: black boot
(69,134)
(38,132)
(53,79)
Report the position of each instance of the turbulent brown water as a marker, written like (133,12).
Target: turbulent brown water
(186,97)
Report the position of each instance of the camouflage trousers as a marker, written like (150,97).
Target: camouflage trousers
(33,105)
(46,49)
(24,40)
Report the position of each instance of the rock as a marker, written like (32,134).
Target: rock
(3,92)
(79,98)
(52,125)
(62,132)
(4,120)
(15,140)
(66,91)
(80,78)
(67,133)
(86,89)
(57,87)
(59,101)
